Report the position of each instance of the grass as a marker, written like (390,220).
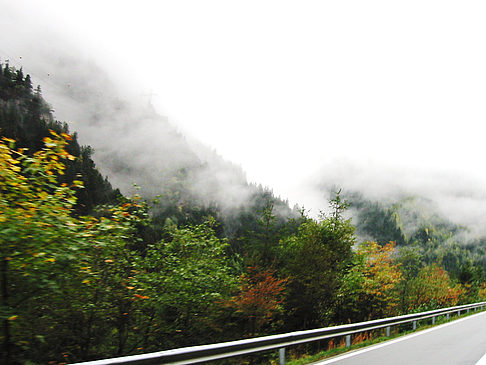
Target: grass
(363,340)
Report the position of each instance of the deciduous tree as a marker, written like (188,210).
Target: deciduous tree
(315,261)
(370,286)
(259,298)
(432,289)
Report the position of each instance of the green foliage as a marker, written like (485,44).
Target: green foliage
(411,260)
(412,222)
(186,278)
(375,220)
(126,279)
(36,231)
(315,260)
(255,228)
(47,255)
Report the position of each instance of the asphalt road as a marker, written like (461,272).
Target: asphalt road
(460,342)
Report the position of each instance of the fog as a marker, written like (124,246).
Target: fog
(426,194)
(138,149)
(381,99)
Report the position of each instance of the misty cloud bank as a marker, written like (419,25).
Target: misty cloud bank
(431,194)
(135,145)
(132,143)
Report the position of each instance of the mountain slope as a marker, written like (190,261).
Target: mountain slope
(135,145)
(27,118)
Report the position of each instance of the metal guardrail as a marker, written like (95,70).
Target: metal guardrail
(204,353)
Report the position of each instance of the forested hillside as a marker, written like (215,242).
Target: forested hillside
(87,273)
(413,222)
(26,118)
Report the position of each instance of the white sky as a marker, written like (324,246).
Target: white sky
(285,87)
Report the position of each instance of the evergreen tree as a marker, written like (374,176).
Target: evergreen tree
(27,118)
(315,260)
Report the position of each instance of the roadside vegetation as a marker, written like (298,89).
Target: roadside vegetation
(337,347)
(87,273)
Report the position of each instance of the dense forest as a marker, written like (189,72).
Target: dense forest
(88,273)
(413,223)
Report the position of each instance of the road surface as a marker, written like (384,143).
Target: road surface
(460,342)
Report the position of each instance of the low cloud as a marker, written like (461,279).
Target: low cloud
(449,195)
(133,144)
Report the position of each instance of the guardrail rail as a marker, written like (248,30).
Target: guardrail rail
(205,353)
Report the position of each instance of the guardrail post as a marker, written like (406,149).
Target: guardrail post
(467,311)
(458,312)
(246,346)
(281,356)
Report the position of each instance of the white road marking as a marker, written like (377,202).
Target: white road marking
(403,338)
(482,361)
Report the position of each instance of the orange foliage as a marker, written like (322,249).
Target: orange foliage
(362,337)
(380,272)
(433,288)
(259,297)
(381,277)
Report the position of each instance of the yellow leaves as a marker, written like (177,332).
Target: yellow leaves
(42,195)
(130,287)
(8,140)
(49,142)
(380,275)
(108,260)
(86,281)
(26,180)
(13,318)
(77,184)
(66,136)
(50,260)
